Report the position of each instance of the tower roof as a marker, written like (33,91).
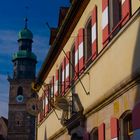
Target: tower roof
(24,54)
(25,33)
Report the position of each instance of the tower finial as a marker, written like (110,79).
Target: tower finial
(26,20)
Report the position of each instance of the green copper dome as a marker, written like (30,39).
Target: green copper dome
(25,34)
(24,54)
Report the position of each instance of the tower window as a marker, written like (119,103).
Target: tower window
(19,119)
(20,91)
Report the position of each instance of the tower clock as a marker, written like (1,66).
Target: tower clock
(21,125)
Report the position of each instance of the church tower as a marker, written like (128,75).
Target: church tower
(21,125)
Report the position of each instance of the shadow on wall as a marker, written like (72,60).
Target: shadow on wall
(136,64)
(136,72)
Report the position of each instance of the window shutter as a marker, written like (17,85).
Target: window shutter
(81,49)
(51,92)
(101,132)
(63,76)
(56,83)
(67,80)
(44,105)
(76,58)
(94,33)
(114,128)
(136,121)
(39,114)
(125,10)
(39,118)
(46,100)
(52,87)
(42,112)
(105,22)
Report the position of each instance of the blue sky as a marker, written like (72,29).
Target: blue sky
(12,13)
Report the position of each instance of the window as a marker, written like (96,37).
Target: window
(56,85)
(50,94)
(60,80)
(52,87)
(19,119)
(88,42)
(72,60)
(94,134)
(41,114)
(126,126)
(63,77)
(20,91)
(114,15)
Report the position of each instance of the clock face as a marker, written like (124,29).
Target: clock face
(19,98)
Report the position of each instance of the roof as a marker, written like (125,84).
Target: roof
(62,13)
(24,54)
(25,34)
(5,120)
(53,34)
(69,23)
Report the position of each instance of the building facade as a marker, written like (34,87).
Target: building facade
(21,125)
(3,128)
(90,77)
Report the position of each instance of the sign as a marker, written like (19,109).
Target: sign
(35,86)
(61,103)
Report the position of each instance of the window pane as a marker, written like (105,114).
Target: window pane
(88,43)
(60,80)
(72,65)
(115,14)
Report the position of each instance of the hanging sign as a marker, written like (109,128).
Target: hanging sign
(61,103)
(35,86)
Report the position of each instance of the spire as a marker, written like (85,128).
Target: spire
(26,24)
(26,19)
(25,33)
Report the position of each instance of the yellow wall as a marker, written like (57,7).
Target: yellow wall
(113,65)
